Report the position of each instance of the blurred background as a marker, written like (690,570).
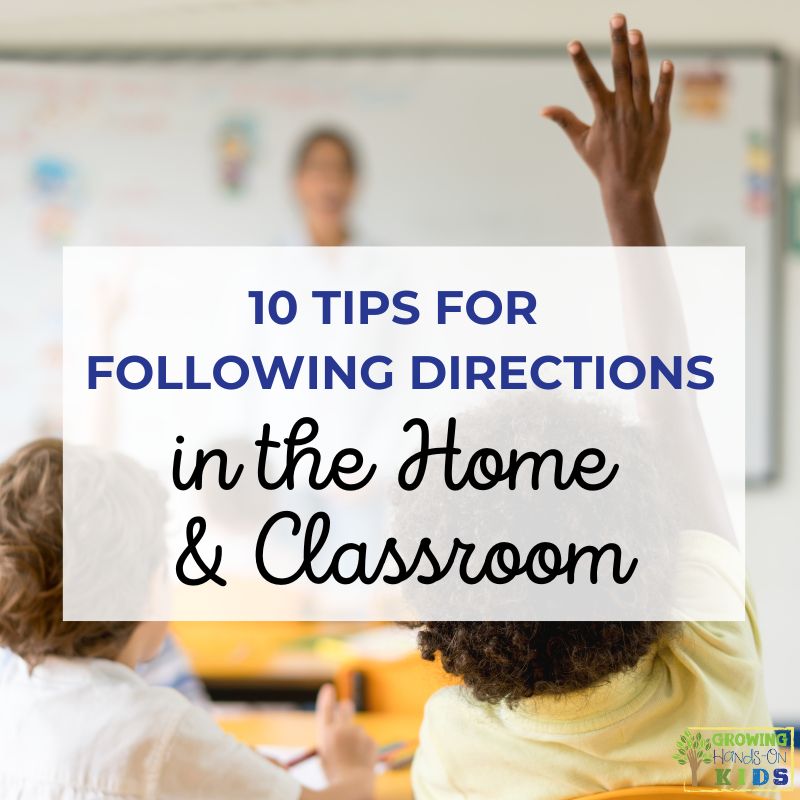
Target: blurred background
(258,122)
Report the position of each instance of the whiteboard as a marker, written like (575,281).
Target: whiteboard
(121,152)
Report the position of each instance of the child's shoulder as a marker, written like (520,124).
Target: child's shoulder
(456,705)
(60,716)
(448,697)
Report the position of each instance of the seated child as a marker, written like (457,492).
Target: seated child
(557,710)
(77,722)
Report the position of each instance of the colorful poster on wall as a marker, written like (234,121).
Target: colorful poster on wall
(758,174)
(236,142)
(704,94)
(55,186)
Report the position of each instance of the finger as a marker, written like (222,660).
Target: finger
(640,73)
(589,76)
(345,712)
(326,705)
(664,92)
(572,126)
(620,61)
(370,749)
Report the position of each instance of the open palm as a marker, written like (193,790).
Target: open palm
(626,143)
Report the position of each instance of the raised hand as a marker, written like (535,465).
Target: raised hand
(348,754)
(626,143)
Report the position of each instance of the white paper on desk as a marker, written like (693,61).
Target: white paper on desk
(309,772)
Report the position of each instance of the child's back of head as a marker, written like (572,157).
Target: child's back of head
(31,552)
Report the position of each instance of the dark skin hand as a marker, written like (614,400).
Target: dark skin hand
(626,143)
(625,148)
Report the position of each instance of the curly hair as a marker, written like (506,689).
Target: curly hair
(511,661)
(31,572)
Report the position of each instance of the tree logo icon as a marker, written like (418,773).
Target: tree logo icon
(692,749)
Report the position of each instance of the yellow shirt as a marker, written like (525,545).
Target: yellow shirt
(621,733)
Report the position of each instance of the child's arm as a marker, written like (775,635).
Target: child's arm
(625,148)
(625,145)
(348,754)
(200,761)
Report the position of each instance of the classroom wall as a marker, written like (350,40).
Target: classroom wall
(773,510)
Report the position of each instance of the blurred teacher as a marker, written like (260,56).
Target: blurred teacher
(325,182)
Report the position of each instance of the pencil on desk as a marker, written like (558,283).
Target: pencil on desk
(388,749)
(383,753)
(299,759)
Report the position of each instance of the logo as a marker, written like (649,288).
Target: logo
(736,759)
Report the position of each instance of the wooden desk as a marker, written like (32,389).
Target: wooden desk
(296,728)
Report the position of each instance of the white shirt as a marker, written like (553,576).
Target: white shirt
(92,729)
(169,668)
(299,236)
